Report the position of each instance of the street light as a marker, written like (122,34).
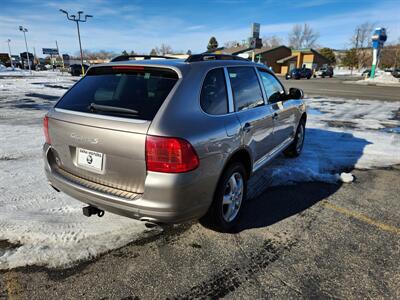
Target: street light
(77,20)
(9,53)
(24,30)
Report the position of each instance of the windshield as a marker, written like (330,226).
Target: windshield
(131,88)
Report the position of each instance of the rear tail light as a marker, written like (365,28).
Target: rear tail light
(46,129)
(170,155)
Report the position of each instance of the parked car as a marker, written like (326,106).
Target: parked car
(165,141)
(366,73)
(40,67)
(325,72)
(299,73)
(396,73)
(76,69)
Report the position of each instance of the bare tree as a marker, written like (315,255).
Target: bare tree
(362,42)
(272,41)
(310,37)
(303,36)
(164,49)
(231,44)
(296,36)
(101,54)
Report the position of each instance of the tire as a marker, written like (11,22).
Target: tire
(224,213)
(295,148)
(308,77)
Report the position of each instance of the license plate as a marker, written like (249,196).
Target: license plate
(90,159)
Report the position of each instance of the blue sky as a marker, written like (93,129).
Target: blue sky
(142,25)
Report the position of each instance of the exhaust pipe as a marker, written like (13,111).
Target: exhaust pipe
(149,223)
(91,210)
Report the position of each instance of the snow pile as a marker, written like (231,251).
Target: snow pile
(346,177)
(383,77)
(48,227)
(2,68)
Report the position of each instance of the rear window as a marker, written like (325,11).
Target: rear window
(123,91)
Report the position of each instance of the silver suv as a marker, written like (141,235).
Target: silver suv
(168,140)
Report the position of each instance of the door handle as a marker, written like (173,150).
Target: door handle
(275,116)
(247,127)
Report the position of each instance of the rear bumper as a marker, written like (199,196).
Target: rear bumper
(167,198)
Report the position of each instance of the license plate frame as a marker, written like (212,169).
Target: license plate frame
(90,160)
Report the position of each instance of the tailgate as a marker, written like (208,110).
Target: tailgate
(119,153)
(98,128)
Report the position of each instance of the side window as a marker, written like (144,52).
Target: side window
(214,99)
(273,88)
(245,87)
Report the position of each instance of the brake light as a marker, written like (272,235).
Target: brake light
(137,68)
(170,155)
(46,129)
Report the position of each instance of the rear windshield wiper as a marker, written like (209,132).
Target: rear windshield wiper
(112,109)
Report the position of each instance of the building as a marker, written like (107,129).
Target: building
(339,56)
(239,49)
(280,59)
(270,56)
(308,58)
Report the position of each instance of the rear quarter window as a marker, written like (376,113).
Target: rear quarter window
(135,88)
(214,99)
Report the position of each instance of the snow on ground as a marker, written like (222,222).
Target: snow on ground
(341,135)
(384,77)
(381,78)
(346,72)
(17,72)
(47,228)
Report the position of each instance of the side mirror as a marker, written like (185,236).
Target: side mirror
(295,93)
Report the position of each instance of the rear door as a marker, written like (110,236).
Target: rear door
(98,128)
(283,111)
(255,117)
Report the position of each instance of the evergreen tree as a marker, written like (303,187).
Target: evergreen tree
(328,53)
(351,58)
(212,44)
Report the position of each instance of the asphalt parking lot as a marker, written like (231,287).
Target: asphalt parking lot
(336,88)
(311,240)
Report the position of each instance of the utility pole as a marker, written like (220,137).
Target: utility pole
(62,59)
(9,53)
(24,30)
(77,20)
(357,40)
(34,56)
(357,37)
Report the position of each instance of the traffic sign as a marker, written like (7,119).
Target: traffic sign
(50,51)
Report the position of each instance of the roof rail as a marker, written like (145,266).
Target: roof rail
(211,56)
(128,57)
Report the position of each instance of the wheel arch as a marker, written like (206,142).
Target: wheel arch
(240,155)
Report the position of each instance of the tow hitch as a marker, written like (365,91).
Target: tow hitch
(91,210)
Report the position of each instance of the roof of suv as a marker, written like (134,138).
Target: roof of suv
(181,65)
